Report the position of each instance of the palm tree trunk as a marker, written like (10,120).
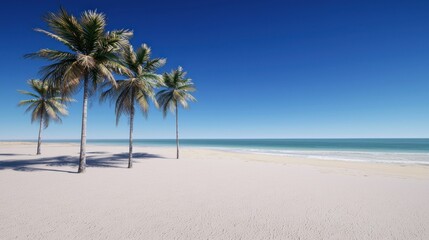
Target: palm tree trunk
(177,130)
(82,157)
(39,139)
(130,157)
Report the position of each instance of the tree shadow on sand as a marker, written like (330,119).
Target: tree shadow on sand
(46,163)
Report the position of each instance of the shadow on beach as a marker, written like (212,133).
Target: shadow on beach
(119,160)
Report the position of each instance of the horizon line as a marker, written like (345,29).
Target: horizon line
(266,138)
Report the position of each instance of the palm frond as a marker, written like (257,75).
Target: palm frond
(177,89)
(36,113)
(47,104)
(32,106)
(68,28)
(51,55)
(94,51)
(140,82)
(143,102)
(93,25)
(28,93)
(56,37)
(154,64)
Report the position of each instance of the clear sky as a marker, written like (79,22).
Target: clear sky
(263,69)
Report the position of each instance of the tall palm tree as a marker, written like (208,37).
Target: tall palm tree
(89,60)
(138,87)
(177,90)
(46,104)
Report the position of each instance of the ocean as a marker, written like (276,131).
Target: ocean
(400,150)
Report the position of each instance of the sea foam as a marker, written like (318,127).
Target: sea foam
(356,156)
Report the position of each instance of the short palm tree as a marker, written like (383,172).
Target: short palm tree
(138,87)
(91,57)
(46,105)
(177,90)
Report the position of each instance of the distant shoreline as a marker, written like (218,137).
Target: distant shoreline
(391,156)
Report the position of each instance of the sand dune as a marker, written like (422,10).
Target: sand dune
(208,194)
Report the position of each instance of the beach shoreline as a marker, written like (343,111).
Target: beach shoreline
(392,169)
(207,194)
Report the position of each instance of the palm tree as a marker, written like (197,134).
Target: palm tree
(138,87)
(177,90)
(89,60)
(46,105)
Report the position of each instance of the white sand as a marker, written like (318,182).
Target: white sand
(207,194)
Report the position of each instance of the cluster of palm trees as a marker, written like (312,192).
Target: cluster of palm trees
(92,59)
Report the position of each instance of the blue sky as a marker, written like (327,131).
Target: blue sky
(264,69)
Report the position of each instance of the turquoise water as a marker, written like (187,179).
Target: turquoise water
(409,151)
(384,145)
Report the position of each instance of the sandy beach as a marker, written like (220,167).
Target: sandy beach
(207,194)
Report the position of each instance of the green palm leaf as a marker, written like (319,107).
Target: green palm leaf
(177,90)
(46,104)
(140,82)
